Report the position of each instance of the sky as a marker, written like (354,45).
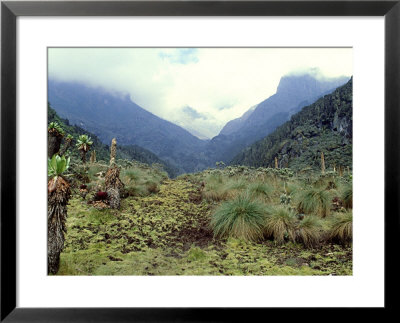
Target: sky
(200,89)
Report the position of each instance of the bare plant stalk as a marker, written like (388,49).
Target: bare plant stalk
(93,157)
(113,151)
(322,163)
(276,162)
(112,180)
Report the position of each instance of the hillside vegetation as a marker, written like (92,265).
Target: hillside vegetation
(322,127)
(130,152)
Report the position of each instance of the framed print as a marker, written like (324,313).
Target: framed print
(196,152)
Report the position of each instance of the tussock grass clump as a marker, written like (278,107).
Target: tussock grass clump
(234,187)
(292,188)
(309,231)
(214,191)
(136,190)
(152,186)
(280,224)
(240,218)
(214,179)
(132,174)
(237,184)
(259,189)
(141,182)
(342,228)
(314,201)
(347,197)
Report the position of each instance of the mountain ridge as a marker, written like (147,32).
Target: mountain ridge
(272,112)
(324,126)
(109,116)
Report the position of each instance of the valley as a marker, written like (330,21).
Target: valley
(270,195)
(109,115)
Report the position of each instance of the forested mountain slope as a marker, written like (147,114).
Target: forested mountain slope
(109,115)
(130,152)
(324,126)
(293,93)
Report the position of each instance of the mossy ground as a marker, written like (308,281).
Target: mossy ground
(168,233)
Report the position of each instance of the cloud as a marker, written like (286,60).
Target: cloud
(225,106)
(180,55)
(220,84)
(192,113)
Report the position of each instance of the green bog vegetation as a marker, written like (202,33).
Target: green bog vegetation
(235,221)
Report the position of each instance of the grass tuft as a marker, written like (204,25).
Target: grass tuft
(342,228)
(280,224)
(347,197)
(259,189)
(240,218)
(215,191)
(314,201)
(309,231)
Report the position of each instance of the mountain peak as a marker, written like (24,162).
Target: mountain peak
(293,82)
(308,83)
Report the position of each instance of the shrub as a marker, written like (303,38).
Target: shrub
(314,201)
(309,231)
(347,197)
(342,228)
(239,218)
(280,224)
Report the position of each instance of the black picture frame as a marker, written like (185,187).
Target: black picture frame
(10,10)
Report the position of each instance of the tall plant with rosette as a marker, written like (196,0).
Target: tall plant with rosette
(84,143)
(54,138)
(58,194)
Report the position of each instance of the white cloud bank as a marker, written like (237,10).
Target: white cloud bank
(220,84)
